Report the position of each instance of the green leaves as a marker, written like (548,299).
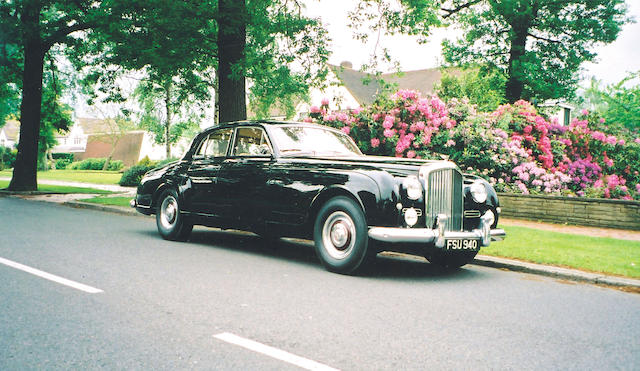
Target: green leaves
(538,45)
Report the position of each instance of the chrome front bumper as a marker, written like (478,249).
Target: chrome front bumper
(437,236)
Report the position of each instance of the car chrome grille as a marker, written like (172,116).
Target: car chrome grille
(443,194)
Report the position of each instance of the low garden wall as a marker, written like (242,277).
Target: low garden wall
(571,210)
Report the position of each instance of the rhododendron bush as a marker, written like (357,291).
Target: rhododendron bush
(515,147)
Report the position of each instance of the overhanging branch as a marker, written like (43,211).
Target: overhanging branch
(61,33)
(450,12)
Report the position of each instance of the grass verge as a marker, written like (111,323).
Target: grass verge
(595,254)
(61,189)
(84,176)
(111,201)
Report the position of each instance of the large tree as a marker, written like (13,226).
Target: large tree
(170,46)
(275,47)
(35,27)
(538,44)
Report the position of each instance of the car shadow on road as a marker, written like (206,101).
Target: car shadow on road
(385,266)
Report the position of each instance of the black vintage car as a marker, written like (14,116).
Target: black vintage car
(284,179)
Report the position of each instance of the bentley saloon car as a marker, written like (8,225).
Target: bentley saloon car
(287,179)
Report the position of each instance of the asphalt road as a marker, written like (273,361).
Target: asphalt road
(167,305)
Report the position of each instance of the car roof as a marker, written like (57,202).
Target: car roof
(265,122)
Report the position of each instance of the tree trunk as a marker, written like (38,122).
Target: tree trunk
(515,84)
(232,38)
(167,103)
(26,165)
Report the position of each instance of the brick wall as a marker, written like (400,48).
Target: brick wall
(571,210)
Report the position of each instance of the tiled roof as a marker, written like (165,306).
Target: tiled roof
(95,126)
(420,80)
(127,149)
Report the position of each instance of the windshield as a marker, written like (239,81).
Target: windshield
(305,140)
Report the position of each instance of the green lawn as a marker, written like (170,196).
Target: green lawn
(84,176)
(114,201)
(596,254)
(61,189)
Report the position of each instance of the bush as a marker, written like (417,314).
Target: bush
(132,176)
(7,157)
(62,163)
(514,147)
(96,164)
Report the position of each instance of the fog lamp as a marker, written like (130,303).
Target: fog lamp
(411,216)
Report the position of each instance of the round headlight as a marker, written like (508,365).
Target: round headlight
(411,216)
(478,192)
(413,187)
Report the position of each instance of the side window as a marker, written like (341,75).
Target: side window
(251,142)
(216,144)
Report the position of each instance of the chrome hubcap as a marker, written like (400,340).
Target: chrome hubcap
(169,212)
(338,235)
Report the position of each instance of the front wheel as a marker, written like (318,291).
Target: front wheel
(341,236)
(172,224)
(450,259)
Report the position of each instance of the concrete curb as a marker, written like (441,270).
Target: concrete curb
(98,207)
(556,272)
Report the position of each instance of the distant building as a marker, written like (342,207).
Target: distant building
(559,111)
(350,88)
(92,138)
(9,133)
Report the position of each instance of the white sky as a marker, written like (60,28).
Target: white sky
(612,64)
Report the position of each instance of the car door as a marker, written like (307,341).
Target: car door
(243,176)
(204,196)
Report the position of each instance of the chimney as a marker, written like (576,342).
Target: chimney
(346,64)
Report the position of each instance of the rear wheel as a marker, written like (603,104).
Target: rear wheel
(172,224)
(450,259)
(340,236)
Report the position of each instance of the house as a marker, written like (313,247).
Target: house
(9,133)
(350,88)
(558,111)
(94,138)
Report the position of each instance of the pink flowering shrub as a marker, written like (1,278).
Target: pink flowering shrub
(514,147)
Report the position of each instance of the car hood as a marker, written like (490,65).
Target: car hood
(393,165)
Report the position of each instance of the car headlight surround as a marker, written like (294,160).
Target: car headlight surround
(478,191)
(413,187)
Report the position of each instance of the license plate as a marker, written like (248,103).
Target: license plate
(462,244)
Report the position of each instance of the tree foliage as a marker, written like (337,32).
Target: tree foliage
(618,104)
(169,45)
(539,45)
(479,86)
(285,53)
(33,27)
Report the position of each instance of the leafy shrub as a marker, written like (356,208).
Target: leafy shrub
(62,163)
(514,147)
(96,164)
(132,176)
(7,157)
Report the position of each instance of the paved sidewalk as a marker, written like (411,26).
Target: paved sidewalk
(105,187)
(575,229)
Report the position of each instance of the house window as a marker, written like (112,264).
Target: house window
(567,116)
(77,140)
